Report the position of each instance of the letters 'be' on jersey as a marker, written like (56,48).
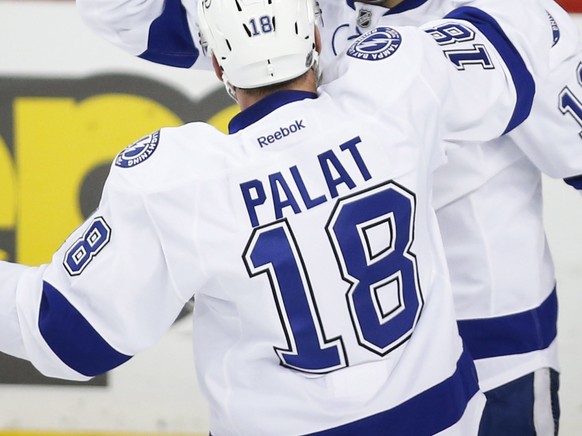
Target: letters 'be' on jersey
(308,239)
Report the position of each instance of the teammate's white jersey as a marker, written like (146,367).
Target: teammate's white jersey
(488,196)
(308,238)
(501,267)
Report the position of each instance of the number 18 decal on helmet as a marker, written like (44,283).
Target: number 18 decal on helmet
(259,43)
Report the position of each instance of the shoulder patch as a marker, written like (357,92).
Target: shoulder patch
(375,45)
(555,29)
(139,151)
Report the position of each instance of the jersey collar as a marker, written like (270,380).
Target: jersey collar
(406,5)
(264,107)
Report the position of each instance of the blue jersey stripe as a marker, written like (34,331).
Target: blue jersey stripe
(517,333)
(425,414)
(264,107)
(522,78)
(170,41)
(72,338)
(575,182)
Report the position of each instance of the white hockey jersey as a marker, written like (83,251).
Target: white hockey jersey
(488,195)
(501,268)
(308,238)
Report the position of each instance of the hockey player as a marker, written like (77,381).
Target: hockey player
(488,196)
(307,233)
(489,206)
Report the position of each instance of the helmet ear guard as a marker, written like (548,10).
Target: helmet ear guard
(258,43)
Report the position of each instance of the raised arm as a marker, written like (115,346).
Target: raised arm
(161,31)
(552,135)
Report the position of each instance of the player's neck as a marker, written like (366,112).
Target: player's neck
(248,98)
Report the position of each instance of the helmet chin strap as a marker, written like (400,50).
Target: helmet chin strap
(229,88)
(316,69)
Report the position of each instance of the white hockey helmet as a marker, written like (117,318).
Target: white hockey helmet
(259,42)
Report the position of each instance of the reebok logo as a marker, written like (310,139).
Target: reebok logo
(281,133)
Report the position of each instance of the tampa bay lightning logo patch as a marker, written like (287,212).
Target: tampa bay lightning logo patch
(555,28)
(376,45)
(138,152)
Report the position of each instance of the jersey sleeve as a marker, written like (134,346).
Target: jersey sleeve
(160,31)
(109,292)
(10,338)
(550,45)
(468,80)
(492,88)
(552,135)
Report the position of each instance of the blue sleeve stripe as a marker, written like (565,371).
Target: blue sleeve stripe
(575,182)
(517,333)
(170,41)
(424,414)
(522,78)
(72,338)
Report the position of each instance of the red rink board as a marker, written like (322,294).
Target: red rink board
(571,5)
